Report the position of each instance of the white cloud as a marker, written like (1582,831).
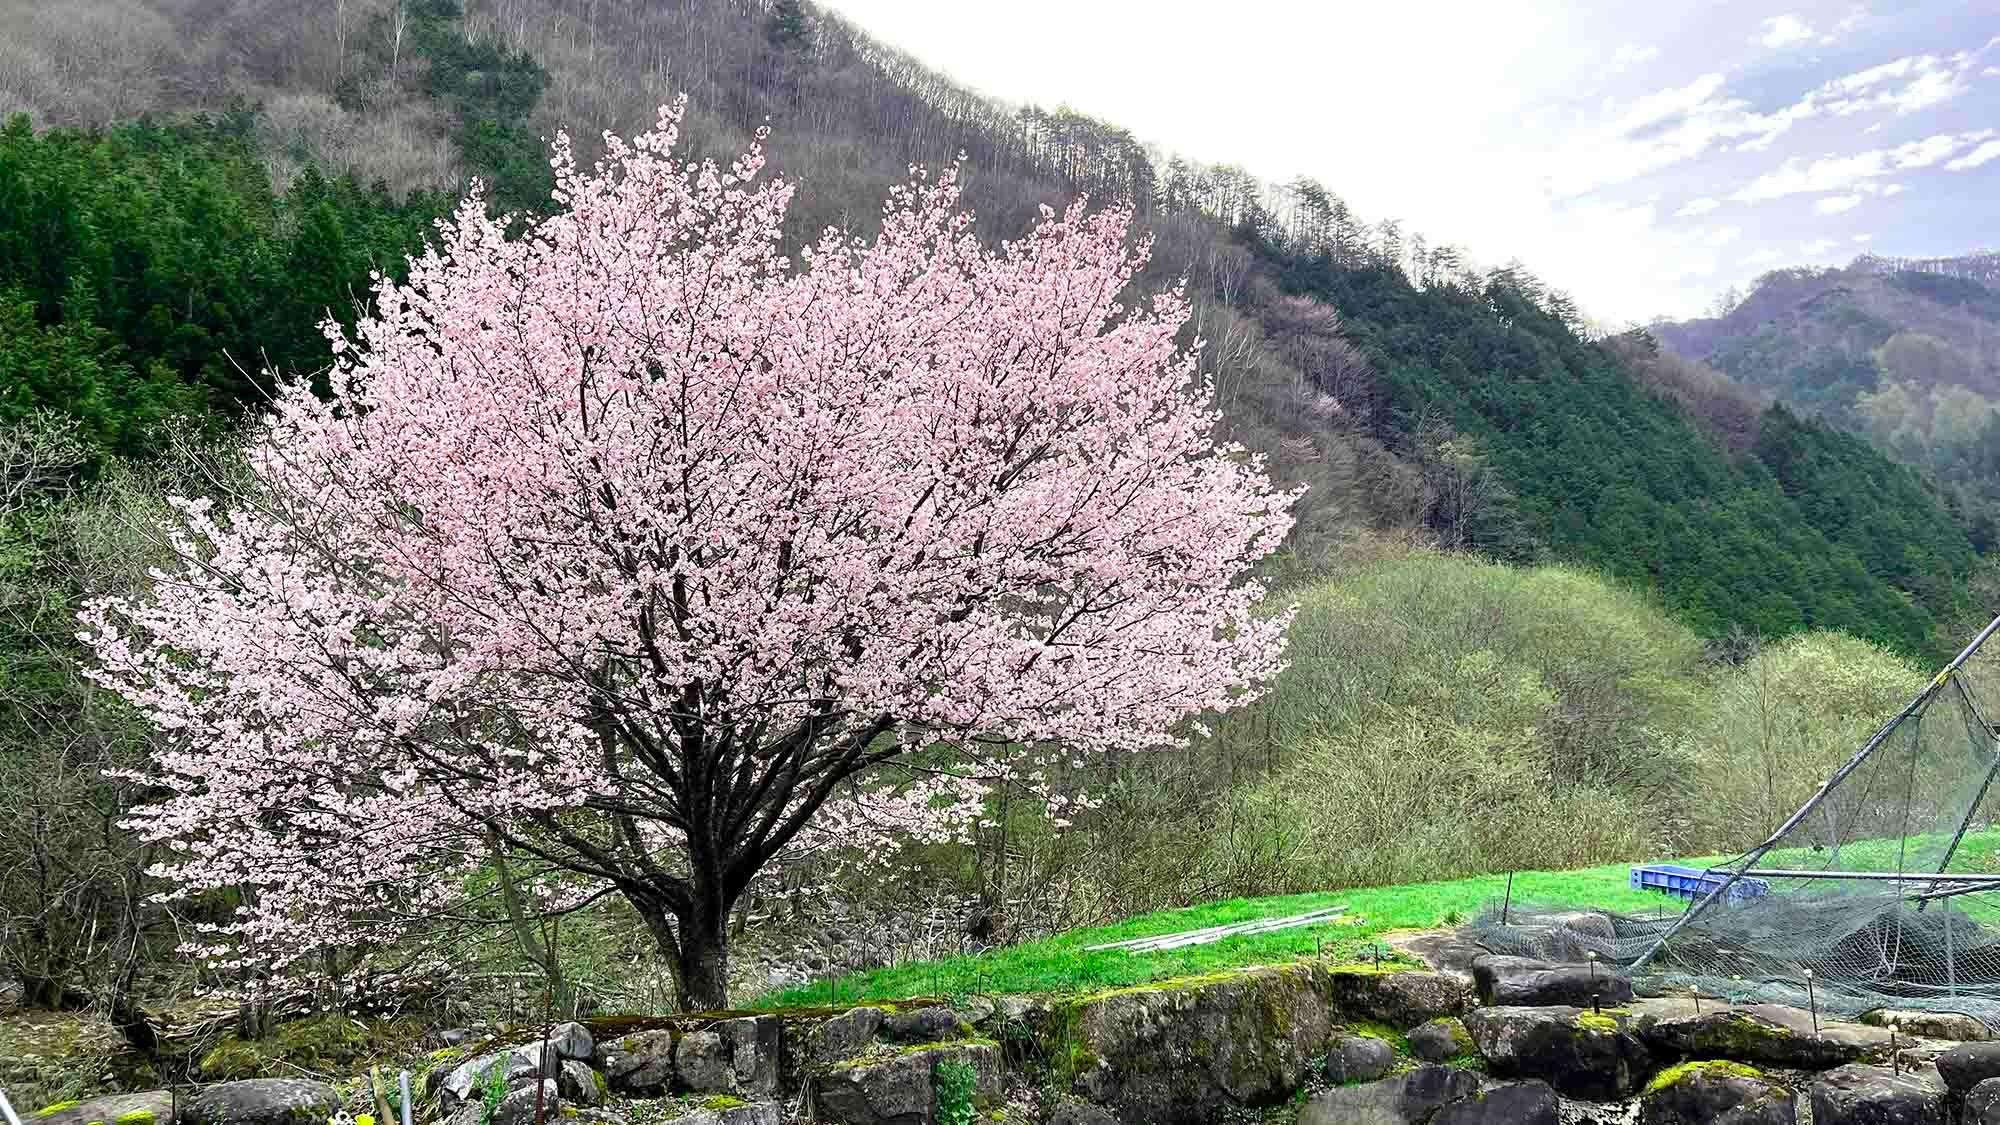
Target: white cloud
(1893,189)
(1701,206)
(1843,173)
(1981,155)
(1835,204)
(1767,254)
(1846,24)
(1631,54)
(1722,236)
(1863,238)
(1991,72)
(1784,30)
(1818,247)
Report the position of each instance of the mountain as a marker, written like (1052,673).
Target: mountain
(299,145)
(1903,351)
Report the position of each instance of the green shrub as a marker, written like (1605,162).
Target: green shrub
(956,1081)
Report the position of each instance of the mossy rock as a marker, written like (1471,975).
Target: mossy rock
(317,1043)
(1703,1068)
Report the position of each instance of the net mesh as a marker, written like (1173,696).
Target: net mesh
(1885,887)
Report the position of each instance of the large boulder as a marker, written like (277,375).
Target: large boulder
(1525,982)
(755,1047)
(1968,1064)
(1759,1034)
(1875,1095)
(1982,1104)
(641,1063)
(572,1041)
(1402,1100)
(1581,1053)
(1955,1026)
(1180,1051)
(515,1066)
(934,1024)
(1516,1103)
(1401,998)
(579,1084)
(899,1087)
(1359,1058)
(1440,1040)
(1716,1093)
(518,1107)
(263,1101)
(814,1044)
(153,1107)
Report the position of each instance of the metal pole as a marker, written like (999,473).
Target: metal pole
(404,1082)
(7,1108)
(1950,961)
(1819,795)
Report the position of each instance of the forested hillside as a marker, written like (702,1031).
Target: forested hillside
(186,298)
(1807,528)
(1904,352)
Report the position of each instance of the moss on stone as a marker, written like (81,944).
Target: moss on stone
(1686,1070)
(52,1110)
(723,1101)
(879,1053)
(1369,1029)
(1596,1021)
(136,1117)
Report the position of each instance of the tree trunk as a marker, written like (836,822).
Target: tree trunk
(695,946)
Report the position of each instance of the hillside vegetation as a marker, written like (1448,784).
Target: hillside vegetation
(1904,353)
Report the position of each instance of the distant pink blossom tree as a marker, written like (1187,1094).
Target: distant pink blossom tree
(625,540)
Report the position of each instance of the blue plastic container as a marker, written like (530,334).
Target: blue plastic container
(1693,882)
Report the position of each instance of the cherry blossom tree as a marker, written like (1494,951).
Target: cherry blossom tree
(625,539)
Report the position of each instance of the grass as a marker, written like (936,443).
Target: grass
(1060,965)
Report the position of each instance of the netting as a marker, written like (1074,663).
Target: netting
(1885,886)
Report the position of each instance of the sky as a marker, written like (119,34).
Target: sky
(1644,157)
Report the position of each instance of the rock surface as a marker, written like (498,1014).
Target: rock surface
(1982,1104)
(157,1106)
(837,1037)
(1516,1103)
(263,1101)
(572,1041)
(1440,1040)
(1968,1064)
(516,1065)
(1522,982)
(1359,1058)
(1185,1053)
(1581,1053)
(1873,1095)
(517,1108)
(1759,1034)
(1074,1111)
(1400,998)
(1955,1026)
(1402,1100)
(640,1063)
(577,1083)
(923,1025)
(899,1088)
(754,1049)
(1716,1093)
